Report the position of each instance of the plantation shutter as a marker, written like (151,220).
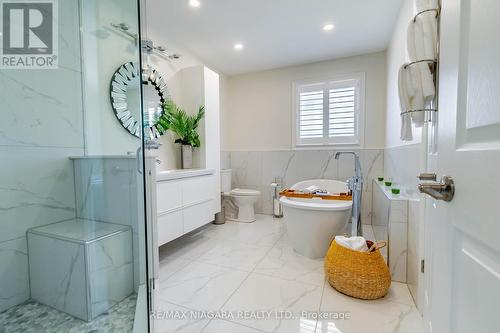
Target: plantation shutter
(328,112)
(341,112)
(311,122)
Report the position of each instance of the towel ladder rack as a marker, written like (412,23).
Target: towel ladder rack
(432,62)
(429,61)
(416,111)
(426,11)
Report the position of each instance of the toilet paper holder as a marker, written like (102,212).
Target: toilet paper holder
(278,186)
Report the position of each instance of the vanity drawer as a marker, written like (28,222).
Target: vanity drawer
(198,189)
(170,227)
(168,196)
(198,215)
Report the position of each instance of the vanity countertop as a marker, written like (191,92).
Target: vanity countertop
(182,173)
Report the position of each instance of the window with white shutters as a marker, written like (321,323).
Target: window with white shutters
(329,112)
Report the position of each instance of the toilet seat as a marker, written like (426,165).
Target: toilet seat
(240,192)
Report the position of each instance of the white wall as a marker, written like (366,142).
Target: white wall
(184,78)
(186,90)
(258,114)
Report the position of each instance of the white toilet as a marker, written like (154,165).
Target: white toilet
(238,203)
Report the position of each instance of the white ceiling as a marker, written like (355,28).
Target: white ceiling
(275,33)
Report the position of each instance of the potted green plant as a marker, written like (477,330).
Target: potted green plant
(184,126)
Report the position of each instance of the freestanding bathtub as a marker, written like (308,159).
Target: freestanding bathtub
(311,224)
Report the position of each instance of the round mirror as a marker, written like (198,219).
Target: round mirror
(126,99)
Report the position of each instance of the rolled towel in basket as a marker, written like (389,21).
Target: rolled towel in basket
(356,243)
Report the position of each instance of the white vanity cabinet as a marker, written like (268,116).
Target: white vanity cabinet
(185,200)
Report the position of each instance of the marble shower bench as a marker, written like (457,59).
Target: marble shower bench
(81,267)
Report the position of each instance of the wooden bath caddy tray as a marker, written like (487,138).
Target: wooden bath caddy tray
(294,194)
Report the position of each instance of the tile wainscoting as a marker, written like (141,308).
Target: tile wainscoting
(403,164)
(258,169)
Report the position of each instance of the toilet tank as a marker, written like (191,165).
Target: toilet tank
(225,175)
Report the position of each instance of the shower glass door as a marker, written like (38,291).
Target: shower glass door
(73,234)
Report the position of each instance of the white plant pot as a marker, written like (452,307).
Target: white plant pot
(187,157)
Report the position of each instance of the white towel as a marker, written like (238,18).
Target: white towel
(404,100)
(426,78)
(354,243)
(310,189)
(421,5)
(428,24)
(420,74)
(425,44)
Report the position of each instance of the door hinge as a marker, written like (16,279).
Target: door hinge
(152,284)
(422,266)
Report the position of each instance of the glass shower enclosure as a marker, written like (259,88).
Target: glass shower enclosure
(73,215)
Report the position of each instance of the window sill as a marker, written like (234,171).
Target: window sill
(329,146)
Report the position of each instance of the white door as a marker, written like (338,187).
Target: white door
(464,256)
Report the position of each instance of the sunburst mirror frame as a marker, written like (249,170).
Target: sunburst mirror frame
(121,80)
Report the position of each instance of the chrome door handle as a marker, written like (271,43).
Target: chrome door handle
(444,190)
(427,176)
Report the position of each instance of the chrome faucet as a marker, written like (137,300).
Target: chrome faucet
(355,184)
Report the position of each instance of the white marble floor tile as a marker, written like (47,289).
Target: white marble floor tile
(283,262)
(389,314)
(201,286)
(277,299)
(233,254)
(222,326)
(170,318)
(263,232)
(209,270)
(170,265)
(188,247)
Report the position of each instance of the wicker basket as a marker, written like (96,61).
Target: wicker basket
(362,275)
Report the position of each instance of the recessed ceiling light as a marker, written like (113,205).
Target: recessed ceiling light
(328,27)
(194,3)
(238,46)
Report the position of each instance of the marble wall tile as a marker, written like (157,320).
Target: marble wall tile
(278,164)
(36,188)
(14,280)
(247,168)
(398,251)
(415,252)
(103,190)
(403,165)
(310,164)
(258,169)
(81,279)
(57,274)
(399,211)
(106,190)
(111,271)
(46,109)
(372,164)
(225,160)
(389,222)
